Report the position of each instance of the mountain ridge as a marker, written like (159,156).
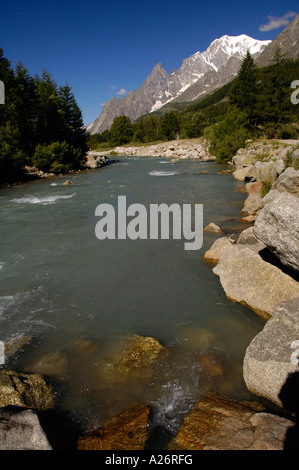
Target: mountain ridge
(198,74)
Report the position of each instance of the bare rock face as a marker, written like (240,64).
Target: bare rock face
(248,279)
(277,226)
(218,423)
(27,390)
(126,431)
(270,357)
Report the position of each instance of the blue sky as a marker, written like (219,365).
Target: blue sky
(105,48)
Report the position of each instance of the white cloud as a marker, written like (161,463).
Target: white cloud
(276,22)
(122,91)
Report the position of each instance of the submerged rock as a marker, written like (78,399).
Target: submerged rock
(268,359)
(126,431)
(218,423)
(50,364)
(27,390)
(141,351)
(132,361)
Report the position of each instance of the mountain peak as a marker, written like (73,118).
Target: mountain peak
(208,70)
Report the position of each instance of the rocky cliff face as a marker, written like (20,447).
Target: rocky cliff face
(198,74)
(287,42)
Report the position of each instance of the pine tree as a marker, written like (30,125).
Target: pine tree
(73,131)
(49,116)
(121,131)
(244,90)
(26,108)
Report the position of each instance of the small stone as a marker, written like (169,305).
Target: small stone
(213,228)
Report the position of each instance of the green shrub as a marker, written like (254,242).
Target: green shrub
(58,157)
(266,186)
(228,135)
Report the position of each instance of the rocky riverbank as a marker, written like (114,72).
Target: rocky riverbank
(176,149)
(261,268)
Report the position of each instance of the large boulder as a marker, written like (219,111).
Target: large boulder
(266,171)
(218,423)
(126,431)
(26,390)
(248,279)
(288,181)
(269,358)
(243,173)
(21,430)
(277,226)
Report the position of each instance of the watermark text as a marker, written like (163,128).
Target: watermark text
(161,221)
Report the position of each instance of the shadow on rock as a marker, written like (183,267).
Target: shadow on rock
(289,396)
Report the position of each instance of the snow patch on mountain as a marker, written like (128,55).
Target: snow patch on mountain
(215,66)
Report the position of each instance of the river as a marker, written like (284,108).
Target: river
(60,284)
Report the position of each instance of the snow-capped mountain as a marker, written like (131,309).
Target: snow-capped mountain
(198,74)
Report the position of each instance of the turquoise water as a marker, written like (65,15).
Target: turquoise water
(59,284)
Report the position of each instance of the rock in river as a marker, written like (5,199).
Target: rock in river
(21,430)
(248,279)
(27,390)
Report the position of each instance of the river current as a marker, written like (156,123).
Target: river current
(61,286)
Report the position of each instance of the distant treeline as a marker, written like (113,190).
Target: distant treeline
(40,124)
(257,103)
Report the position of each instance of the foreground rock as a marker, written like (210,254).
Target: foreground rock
(270,357)
(217,423)
(277,226)
(26,390)
(248,279)
(21,430)
(127,431)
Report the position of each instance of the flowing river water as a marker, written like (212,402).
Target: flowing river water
(62,286)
